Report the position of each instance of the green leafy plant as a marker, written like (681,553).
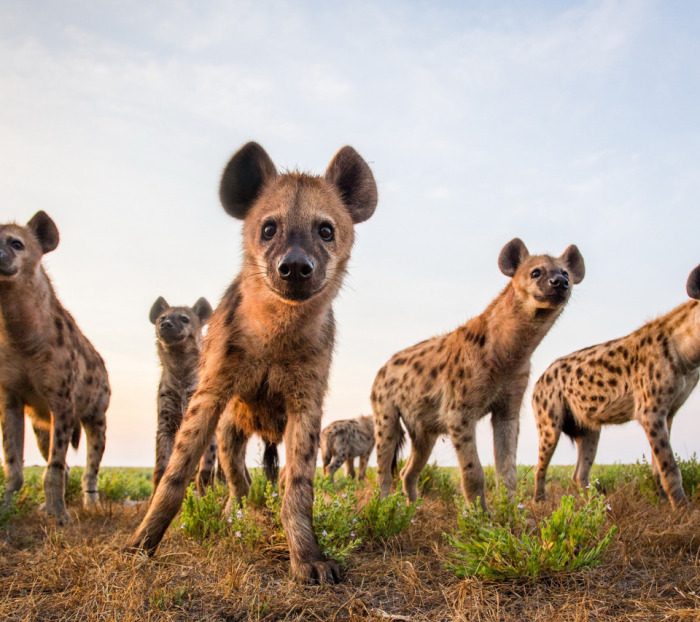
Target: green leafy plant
(336,524)
(437,482)
(507,544)
(202,516)
(384,518)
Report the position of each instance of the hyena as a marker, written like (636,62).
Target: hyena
(446,384)
(342,441)
(646,376)
(178,340)
(48,369)
(265,361)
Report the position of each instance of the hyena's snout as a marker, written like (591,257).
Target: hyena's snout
(296,266)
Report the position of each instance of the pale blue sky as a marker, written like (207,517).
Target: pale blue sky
(556,122)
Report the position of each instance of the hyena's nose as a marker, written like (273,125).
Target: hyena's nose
(296,265)
(166,323)
(559,282)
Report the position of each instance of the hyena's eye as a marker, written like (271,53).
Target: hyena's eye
(269,229)
(536,273)
(326,232)
(17,245)
(184,319)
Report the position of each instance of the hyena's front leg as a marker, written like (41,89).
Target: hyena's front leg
(12,420)
(232,443)
(505,420)
(301,440)
(205,471)
(169,419)
(463,436)
(197,428)
(654,421)
(96,433)
(55,474)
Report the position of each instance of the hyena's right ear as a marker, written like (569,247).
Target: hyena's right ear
(512,255)
(158,307)
(202,309)
(247,172)
(693,285)
(353,178)
(44,230)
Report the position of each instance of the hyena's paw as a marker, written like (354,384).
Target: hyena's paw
(57,513)
(91,501)
(316,572)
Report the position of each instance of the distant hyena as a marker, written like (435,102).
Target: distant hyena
(646,376)
(267,354)
(446,384)
(342,441)
(48,369)
(179,340)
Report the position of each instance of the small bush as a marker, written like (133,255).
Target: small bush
(387,517)
(117,485)
(437,482)
(243,525)
(336,524)
(202,516)
(508,545)
(257,495)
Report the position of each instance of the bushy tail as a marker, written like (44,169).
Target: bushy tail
(401,435)
(572,428)
(75,438)
(271,461)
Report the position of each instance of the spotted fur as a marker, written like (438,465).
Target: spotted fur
(267,354)
(444,385)
(646,375)
(48,369)
(342,441)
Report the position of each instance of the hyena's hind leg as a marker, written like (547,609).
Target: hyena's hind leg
(389,438)
(95,433)
(364,460)
(549,416)
(232,443)
(350,467)
(207,466)
(586,445)
(336,462)
(421,448)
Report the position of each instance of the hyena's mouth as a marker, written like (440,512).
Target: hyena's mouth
(297,294)
(9,271)
(555,297)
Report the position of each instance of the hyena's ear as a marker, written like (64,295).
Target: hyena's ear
(512,255)
(202,309)
(44,230)
(158,307)
(351,175)
(574,262)
(247,172)
(693,285)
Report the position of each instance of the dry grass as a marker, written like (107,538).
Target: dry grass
(650,572)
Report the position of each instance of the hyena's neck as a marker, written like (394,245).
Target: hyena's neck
(508,331)
(26,308)
(683,326)
(179,362)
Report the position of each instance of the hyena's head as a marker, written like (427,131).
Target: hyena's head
(298,228)
(541,282)
(21,248)
(179,326)
(693,284)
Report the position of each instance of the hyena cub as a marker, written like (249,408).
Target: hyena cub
(179,340)
(446,384)
(646,376)
(48,369)
(342,441)
(266,357)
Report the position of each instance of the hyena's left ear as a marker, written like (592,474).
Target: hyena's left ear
(44,230)
(512,255)
(244,177)
(574,262)
(351,175)
(202,309)
(160,305)
(693,285)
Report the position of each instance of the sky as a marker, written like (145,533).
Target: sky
(556,122)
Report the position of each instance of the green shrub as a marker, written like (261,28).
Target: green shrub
(257,494)
(384,518)
(508,545)
(336,524)
(435,481)
(202,516)
(119,484)
(243,525)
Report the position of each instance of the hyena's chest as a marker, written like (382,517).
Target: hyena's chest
(262,407)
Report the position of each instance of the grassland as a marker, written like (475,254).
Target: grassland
(239,571)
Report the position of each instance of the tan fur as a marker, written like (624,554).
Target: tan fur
(48,369)
(179,341)
(344,440)
(646,376)
(268,351)
(444,385)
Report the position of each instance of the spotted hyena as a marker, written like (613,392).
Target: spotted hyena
(342,441)
(179,341)
(266,357)
(48,369)
(446,384)
(646,376)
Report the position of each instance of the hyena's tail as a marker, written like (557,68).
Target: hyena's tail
(400,442)
(75,438)
(572,428)
(326,453)
(271,462)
